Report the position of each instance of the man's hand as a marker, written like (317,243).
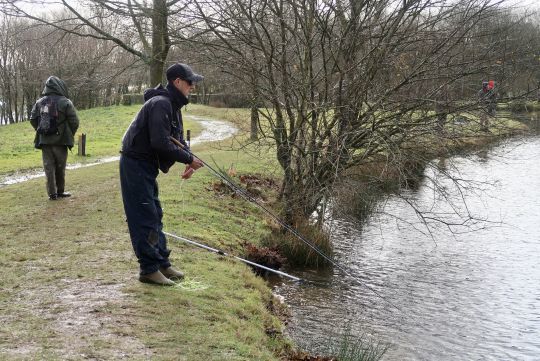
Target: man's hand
(188,172)
(196,163)
(192,167)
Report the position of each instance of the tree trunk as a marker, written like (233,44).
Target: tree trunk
(254,123)
(160,42)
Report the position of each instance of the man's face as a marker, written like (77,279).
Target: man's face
(184,86)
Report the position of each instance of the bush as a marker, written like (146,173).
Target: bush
(517,106)
(295,250)
(229,100)
(130,99)
(348,347)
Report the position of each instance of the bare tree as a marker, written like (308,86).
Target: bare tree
(142,29)
(7,52)
(345,81)
(97,71)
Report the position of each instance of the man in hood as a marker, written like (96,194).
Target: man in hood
(147,148)
(487,97)
(55,120)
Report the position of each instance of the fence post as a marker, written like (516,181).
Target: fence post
(82,144)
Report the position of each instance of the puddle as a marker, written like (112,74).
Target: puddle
(213,130)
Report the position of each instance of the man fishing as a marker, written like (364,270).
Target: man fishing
(487,97)
(147,148)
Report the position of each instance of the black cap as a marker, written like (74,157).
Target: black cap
(183,71)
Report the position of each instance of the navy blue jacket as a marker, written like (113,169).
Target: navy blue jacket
(148,135)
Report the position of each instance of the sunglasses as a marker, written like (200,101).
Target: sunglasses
(190,83)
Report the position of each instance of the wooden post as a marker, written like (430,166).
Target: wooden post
(82,144)
(188,137)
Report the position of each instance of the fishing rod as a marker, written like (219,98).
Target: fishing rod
(248,196)
(220,252)
(310,244)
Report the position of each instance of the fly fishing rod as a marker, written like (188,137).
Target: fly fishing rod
(310,244)
(248,196)
(200,245)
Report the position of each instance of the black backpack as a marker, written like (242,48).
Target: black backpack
(48,116)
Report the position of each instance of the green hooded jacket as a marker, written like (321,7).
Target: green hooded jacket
(67,123)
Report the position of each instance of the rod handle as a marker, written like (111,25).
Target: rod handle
(176,141)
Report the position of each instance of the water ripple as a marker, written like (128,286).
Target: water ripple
(463,296)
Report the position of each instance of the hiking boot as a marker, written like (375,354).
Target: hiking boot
(172,273)
(53,197)
(64,194)
(156,278)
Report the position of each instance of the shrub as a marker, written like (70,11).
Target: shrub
(517,106)
(297,252)
(347,347)
(130,99)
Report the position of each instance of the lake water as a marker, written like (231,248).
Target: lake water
(452,294)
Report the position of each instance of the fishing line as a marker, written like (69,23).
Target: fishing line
(182,197)
(310,244)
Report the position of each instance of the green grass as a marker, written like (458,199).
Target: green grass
(237,116)
(103,127)
(68,275)
(348,347)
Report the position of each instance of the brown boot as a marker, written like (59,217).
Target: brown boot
(156,278)
(172,273)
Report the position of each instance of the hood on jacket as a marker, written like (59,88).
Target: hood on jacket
(152,92)
(55,85)
(177,99)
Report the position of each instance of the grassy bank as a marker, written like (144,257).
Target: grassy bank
(520,106)
(103,127)
(68,273)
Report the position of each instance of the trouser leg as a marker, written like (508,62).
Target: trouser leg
(162,241)
(143,213)
(49,166)
(484,121)
(61,154)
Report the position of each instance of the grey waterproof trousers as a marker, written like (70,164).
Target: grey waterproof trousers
(54,164)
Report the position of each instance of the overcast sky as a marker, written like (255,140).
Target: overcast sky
(36,7)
